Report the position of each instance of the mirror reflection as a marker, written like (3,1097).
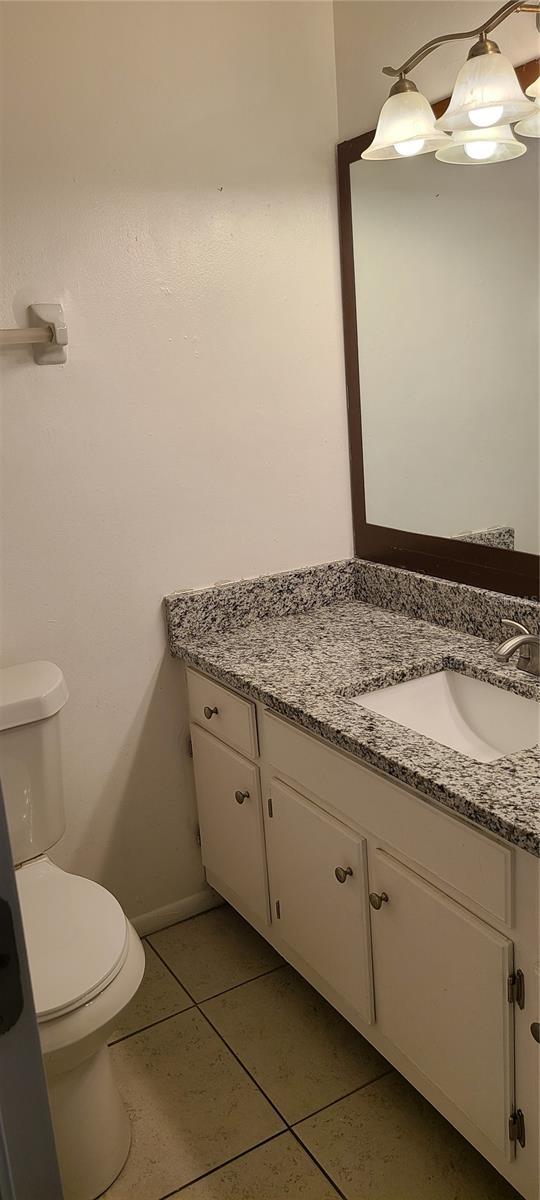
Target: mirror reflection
(446,275)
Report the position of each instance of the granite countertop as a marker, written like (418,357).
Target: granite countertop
(307,665)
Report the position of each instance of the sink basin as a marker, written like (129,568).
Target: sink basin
(480,720)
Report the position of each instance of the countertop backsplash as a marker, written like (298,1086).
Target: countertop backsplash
(441,602)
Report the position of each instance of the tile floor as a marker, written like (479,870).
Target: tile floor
(243,1084)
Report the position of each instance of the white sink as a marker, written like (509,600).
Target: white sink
(480,720)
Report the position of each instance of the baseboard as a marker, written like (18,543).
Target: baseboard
(181,910)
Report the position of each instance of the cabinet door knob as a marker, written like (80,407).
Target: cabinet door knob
(209,712)
(377,900)
(241,796)
(342,874)
(535,1030)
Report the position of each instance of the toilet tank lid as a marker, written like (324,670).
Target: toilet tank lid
(30,692)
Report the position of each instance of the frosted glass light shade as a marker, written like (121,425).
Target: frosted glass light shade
(486,81)
(534,89)
(530,127)
(499,143)
(406,118)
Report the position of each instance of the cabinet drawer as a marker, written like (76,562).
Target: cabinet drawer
(472,866)
(234,721)
(231,824)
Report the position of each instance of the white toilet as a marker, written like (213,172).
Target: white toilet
(86,960)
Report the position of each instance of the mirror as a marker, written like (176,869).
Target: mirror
(447,323)
(442,326)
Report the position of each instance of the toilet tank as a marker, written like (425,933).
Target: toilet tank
(31,698)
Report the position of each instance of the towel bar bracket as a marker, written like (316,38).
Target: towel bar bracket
(46,333)
(51,316)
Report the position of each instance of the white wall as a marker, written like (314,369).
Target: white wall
(168,174)
(372,34)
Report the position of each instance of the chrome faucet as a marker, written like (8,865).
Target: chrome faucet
(528,645)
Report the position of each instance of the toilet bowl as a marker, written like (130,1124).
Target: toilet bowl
(86,963)
(86,960)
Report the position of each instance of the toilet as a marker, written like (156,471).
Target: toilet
(86,960)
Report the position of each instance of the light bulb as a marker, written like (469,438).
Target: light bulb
(479,151)
(407,149)
(482,117)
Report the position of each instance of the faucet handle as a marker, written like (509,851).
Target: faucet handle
(515,625)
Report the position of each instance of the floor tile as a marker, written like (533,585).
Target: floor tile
(387,1142)
(276,1171)
(215,951)
(302,1053)
(191,1104)
(158,996)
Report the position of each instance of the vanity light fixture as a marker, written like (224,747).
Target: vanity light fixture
(487,98)
(486,91)
(406,125)
(481,146)
(530,127)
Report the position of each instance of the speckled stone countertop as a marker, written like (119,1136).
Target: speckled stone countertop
(307,665)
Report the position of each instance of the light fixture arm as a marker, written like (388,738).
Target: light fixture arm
(482,30)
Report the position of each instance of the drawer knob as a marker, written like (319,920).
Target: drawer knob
(377,899)
(535,1030)
(209,712)
(342,874)
(241,796)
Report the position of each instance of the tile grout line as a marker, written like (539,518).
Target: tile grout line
(243,1154)
(198,1003)
(322,1170)
(346,1095)
(194,1004)
(151,1025)
(310,1153)
(244,1068)
(289,1127)
(171,972)
(234,986)
(214,996)
(289,1124)
(178,1012)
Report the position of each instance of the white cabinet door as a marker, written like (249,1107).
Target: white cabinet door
(441,994)
(231,824)
(324,920)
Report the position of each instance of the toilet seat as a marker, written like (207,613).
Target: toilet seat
(76,936)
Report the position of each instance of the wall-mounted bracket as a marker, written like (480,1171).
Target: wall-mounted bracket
(49,316)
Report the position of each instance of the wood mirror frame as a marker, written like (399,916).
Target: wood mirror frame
(509,571)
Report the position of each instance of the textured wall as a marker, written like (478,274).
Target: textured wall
(168,174)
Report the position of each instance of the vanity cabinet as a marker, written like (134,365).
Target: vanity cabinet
(411,921)
(441,994)
(230,822)
(319,892)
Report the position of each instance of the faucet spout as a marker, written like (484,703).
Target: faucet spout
(528,645)
(505,651)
